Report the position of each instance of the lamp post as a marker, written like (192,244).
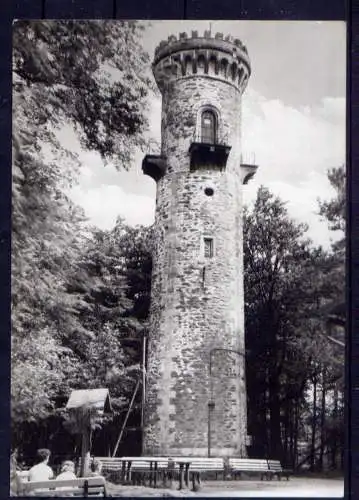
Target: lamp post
(144,348)
(211,402)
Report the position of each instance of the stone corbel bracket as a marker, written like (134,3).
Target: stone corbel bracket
(154,166)
(248,171)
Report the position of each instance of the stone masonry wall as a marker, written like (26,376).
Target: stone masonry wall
(197,303)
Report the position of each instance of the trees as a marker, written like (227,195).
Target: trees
(287,284)
(110,283)
(334,210)
(89,75)
(274,254)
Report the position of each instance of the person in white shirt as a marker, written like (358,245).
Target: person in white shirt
(67,471)
(41,471)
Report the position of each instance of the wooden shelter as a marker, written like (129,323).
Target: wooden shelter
(86,407)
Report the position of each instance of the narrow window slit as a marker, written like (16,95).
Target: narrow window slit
(208,248)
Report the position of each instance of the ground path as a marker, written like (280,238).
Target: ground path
(295,487)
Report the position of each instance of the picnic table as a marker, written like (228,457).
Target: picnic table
(136,468)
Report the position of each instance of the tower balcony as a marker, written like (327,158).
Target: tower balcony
(209,152)
(248,168)
(154,166)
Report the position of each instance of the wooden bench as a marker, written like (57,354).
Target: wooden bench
(82,487)
(249,465)
(276,468)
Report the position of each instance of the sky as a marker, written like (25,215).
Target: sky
(293,123)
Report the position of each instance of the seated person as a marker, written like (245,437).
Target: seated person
(67,471)
(41,471)
(96,468)
(96,471)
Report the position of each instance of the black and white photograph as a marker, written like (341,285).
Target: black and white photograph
(178,301)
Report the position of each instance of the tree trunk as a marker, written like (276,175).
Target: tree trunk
(290,458)
(296,429)
(314,422)
(287,431)
(276,450)
(322,424)
(85,452)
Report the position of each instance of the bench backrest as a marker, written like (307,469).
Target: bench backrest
(210,464)
(248,464)
(84,486)
(109,463)
(142,463)
(202,463)
(275,465)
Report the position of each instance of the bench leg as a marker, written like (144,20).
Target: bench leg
(186,477)
(123,473)
(150,476)
(193,481)
(196,481)
(181,471)
(155,478)
(168,477)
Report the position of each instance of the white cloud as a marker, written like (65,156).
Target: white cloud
(290,143)
(103,204)
(293,149)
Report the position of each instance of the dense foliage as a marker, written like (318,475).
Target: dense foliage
(294,370)
(71,294)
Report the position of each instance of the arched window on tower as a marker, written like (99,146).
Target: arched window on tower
(208,127)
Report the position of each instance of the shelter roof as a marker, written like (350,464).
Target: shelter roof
(97,398)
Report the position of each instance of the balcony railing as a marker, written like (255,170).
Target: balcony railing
(204,137)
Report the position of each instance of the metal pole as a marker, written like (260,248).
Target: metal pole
(210,404)
(209,430)
(126,418)
(143,388)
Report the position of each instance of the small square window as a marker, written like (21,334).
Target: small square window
(208,247)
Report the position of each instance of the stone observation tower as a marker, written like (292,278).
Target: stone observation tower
(196,393)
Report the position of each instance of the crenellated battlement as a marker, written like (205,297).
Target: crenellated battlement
(224,58)
(194,35)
